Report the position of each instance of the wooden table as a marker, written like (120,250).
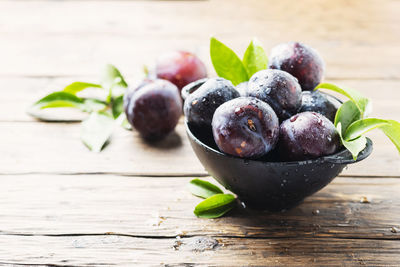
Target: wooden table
(61,205)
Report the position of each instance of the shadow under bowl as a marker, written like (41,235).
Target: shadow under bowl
(264,183)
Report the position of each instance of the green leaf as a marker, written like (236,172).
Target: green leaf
(392,130)
(92,104)
(358,99)
(96,130)
(76,87)
(354,146)
(226,63)
(215,206)
(255,58)
(347,114)
(117,106)
(59,99)
(361,127)
(203,189)
(112,77)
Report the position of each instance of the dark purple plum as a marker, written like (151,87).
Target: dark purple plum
(132,90)
(307,135)
(191,87)
(245,127)
(279,89)
(300,60)
(200,106)
(154,109)
(321,103)
(242,88)
(180,68)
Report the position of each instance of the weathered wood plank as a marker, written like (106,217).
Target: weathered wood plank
(133,37)
(159,207)
(56,148)
(20,93)
(196,251)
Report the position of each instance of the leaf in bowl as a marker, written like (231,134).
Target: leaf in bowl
(255,58)
(358,99)
(226,63)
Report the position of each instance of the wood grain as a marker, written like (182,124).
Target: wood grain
(23,92)
(62,205)
(360,44)
(56,148)
(195,251)
(152,207)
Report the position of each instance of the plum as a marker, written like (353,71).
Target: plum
(191,87)
(180,68)
(132,90)
(307,135)
(245,127)
(300,60)
(200,106)
(319,102)
(154,109)
(242,88)
(279,89)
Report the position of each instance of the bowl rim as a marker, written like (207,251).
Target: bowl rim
(341,157)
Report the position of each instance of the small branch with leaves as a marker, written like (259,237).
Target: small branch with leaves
(104,114)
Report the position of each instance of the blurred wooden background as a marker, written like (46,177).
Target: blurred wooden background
(63,205)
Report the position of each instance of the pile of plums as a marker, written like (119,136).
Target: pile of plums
(154,107)
(276,110)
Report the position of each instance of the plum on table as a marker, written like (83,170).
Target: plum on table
(180,68)
(154,108)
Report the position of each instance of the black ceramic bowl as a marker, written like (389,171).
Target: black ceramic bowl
(266,184)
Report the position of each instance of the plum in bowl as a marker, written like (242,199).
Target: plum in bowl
(265,183)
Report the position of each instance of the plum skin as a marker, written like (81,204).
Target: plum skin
(132,90)
(279,89)
(245,127)
(180,68)
(154,109)
(200,105)
(300,60)
(321,103)
(307,135)
(191,87)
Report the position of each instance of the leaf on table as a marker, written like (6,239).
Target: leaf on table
(215,206)
(362,103)
(361,127)
(96,130)
(203,189)
(112,77)
(117,106)
(92,104)
(255,58)
(76,87)
(354,146)
(226,63)
(56,100)
(347,114)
